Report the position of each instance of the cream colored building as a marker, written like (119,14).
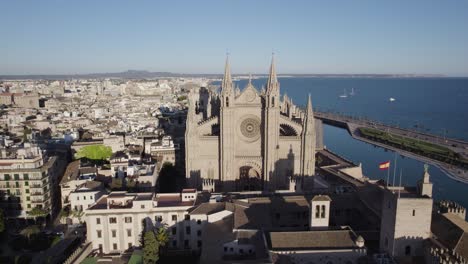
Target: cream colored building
(116,221)
(27,180)
(248,140)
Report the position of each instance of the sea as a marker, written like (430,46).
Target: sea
(432,105)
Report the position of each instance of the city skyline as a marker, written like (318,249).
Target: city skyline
(308,38)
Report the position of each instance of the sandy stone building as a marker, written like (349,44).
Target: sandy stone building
(248,140)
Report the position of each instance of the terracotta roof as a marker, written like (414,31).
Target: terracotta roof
(209,208)
(306,240)
(452,232)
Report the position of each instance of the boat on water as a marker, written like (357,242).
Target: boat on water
(392,99)
(344,95)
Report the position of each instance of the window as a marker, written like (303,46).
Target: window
(227,101)
(187,217)
(128,219)
(25,176)
(241,251)
(225,249)
(84,197)
(17,184)
(407,250)
(100,247)
(277,216)
(129,232)
(16,177)
(317,211)
(414,212)
(142,206)
(29,206)
(174,230)
(323,211)
(112,220)
(199,233)
(158,218)
(188,230)
(273,101)
(115,246)
(174,217)
(199,243)
(28,198)
(77,198)
(114,233)
(130,245)
(98,221)
(99,233)
(18,192)
(199,222)
(186,243)
(7,177)
(174,243)
(90,197)
(27,190)
(231,249)
(26,183)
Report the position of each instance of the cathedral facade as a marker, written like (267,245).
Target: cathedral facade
(249,140)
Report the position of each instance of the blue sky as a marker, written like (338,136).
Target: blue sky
(62,37)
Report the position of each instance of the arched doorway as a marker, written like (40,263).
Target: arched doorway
(249,179)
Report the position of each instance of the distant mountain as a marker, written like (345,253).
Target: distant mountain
(137,74)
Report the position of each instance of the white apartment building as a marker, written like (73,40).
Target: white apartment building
(116,221)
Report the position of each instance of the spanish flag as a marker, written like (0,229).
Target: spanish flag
(384,165)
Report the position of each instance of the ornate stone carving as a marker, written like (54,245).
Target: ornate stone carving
(250,127)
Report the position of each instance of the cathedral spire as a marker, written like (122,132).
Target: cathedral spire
(227,80)
(272,85)
(310,112)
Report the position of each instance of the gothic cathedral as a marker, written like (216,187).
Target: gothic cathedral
(248,140)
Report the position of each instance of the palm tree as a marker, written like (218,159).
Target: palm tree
(162,236)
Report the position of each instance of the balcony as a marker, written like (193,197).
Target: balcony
(36,186)
(37,194)
(37,201)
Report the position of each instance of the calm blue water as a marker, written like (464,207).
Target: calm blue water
(434,105)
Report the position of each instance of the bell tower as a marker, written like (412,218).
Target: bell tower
(308,146)
(226,138)
(271,126)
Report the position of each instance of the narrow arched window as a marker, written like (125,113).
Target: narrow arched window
(317,211)
(227,101)
(323,211)
(273,101)
(407,250)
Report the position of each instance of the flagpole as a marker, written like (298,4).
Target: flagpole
(399,189)
(388,173)
(394,169)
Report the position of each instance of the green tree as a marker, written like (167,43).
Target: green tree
(36,211)
(162,236)
(78,214)
(2,221)
(150,248)
(30,230)
(94,152)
